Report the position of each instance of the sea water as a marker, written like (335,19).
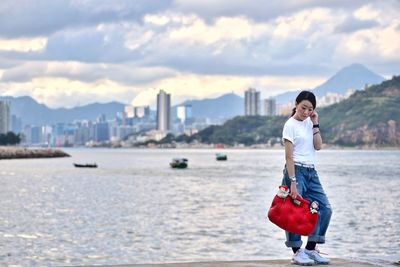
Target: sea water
(134,208)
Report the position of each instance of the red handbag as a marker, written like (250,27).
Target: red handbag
(293,215)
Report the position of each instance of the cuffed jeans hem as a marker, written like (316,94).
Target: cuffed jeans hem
(317,238)
(294,244)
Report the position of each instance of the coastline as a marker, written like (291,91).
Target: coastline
(257,263)
(7,152)
(206,146)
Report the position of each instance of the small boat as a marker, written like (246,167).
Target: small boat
(179,163)
(220,156)
(94,165)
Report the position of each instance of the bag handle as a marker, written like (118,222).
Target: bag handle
(299,200)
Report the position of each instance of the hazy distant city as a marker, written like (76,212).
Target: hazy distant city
(138,123)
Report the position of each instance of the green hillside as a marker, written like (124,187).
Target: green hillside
(247,130)
(368,117)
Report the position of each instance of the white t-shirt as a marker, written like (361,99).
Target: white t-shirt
(300,134)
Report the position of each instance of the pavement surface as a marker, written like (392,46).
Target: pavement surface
(272,263)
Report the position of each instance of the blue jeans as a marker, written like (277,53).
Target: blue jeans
(310,188)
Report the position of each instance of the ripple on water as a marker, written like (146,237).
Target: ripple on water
(135,209)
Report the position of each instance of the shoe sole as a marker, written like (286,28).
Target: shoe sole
(319,262)
(302,264)
(322,263)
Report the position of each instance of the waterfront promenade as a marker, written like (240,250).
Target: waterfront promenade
(260,263)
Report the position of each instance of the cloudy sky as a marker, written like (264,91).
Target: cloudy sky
(66,53)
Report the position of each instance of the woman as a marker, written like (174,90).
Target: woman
(302,137)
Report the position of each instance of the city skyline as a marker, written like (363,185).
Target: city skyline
(136,122)
(70,53)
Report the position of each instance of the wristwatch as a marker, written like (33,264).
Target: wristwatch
(293,179)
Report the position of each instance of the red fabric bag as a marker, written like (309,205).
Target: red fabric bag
(292,215)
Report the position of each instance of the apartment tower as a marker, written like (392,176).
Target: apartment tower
(163,111)
(4,116)
(251,102)
(270,107)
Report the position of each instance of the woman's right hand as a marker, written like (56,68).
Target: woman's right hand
(293,190)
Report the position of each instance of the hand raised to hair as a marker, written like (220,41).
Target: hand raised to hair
(314,117)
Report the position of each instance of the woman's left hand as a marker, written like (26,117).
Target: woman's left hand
(314,117)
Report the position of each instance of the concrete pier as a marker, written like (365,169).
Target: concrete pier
(29,153)
(272,263)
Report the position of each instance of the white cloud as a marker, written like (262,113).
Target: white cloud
(125,74)
(259,10)
(23,44)
(304,23)
(137,39)
(222,30)
(193,49)
(145,97)
(21,18)
(157,19)
(61,92)
(375,45)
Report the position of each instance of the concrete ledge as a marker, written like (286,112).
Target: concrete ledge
(29,153)
(273,263)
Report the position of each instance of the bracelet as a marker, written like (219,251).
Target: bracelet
(293,179)
(315,133)
(315,126)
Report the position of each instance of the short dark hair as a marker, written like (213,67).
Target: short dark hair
(305,95)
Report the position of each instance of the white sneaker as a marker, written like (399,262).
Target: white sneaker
(301,258)
(314,254)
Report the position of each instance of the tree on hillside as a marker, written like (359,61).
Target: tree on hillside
(10,138)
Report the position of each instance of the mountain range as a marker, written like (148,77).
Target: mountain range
(34,113)
(355,76)
(211,108)
(226,106)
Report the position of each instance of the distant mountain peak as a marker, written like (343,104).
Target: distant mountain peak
(354,76)
(355,65)
(355,69)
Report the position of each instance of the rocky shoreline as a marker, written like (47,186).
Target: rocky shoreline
(30,153)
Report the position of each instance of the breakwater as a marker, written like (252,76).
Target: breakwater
(27,153)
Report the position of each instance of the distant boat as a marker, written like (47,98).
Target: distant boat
(220,156)
(179,163)
(94,165)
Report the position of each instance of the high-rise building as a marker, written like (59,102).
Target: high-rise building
(251,102)
(16,124)
(81,133)
(35,135)
(270,107)
(184,113)
(163,111)
(142,111)
(101,131)
(4,116)
(129,111)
